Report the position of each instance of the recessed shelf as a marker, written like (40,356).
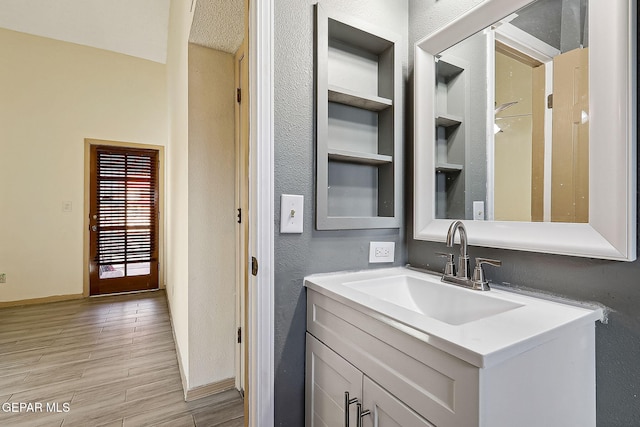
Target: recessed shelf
(357,157)
(448,120)
(361,37)
(448,167)
(447,71)
(348,97)
(358,84)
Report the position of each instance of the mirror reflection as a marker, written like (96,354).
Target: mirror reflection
(512,122)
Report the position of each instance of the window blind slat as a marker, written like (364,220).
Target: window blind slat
(126,187)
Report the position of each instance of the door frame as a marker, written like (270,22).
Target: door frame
(88,143)
(242,204)
(260,336)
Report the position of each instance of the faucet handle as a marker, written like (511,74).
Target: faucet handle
(450,267)
(479,281)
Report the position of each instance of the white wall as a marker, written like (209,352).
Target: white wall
(212,220)
(53,95)
(177,232)
(200,204)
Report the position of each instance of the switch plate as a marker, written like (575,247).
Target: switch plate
(381,252)
(291,213)
(478,210)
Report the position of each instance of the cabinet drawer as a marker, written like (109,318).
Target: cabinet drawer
(438,386)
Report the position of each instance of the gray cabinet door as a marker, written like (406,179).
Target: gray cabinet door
(386,410)
(329,376)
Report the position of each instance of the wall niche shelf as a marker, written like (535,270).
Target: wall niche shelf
(354,99)
(451,93)
(448,120)
(448,167)
(362,158)
(358,122)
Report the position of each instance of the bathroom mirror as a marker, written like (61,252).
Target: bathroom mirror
(473,131)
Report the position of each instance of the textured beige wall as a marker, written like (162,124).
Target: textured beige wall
(53,95)
(177,271)
(212,220)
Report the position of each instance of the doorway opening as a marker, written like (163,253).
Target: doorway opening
(123,220)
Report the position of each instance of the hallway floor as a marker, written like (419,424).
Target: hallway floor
(107,361)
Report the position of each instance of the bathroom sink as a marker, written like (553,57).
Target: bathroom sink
(443,302)
(481,328)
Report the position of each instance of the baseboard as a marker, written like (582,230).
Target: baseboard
(183,378)
(210,389)
(201,391)
(43,300)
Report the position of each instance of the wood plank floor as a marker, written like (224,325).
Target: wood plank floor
(107,361)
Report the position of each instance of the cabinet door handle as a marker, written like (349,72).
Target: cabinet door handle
(347,402)
(361,413)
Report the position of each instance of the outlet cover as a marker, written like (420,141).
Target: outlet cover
(382,252)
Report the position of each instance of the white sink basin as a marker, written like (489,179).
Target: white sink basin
(482,328)
(443,302)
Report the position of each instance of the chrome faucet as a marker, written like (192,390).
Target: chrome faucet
(463,261)
(462,277)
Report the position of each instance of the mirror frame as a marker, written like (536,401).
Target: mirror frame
(611,231)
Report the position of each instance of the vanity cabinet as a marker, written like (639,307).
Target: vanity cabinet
(329,376)
(401,376)
(350,351)
(358,124)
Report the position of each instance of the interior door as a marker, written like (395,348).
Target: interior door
(123,220)
(570,155)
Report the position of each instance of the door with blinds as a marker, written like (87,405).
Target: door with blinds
(123,220)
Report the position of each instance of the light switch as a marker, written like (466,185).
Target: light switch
(291,213)
(478,210)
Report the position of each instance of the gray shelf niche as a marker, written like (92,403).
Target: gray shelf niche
(451,140)
(359,128)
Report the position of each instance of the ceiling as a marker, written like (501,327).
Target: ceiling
(218,24)
(137,28)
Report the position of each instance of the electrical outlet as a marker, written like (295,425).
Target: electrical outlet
(381,252)
(3,277)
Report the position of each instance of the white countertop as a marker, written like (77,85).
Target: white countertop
(484,342)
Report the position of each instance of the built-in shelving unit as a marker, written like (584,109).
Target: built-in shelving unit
(359,124)
(451,93)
